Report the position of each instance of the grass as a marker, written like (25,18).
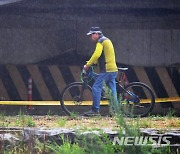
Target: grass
(87,144)
(94,144)
(20,120)
(48,121)
(61,122)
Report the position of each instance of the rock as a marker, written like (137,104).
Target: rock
(28,134)
(8,138)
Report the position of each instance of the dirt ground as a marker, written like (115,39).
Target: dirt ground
(55,121)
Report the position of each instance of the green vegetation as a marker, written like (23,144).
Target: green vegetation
(20,120)
(91,143)
(61,122)
(24,121)
(157,122)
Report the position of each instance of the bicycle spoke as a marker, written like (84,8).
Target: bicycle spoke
(138,100)
(76,99)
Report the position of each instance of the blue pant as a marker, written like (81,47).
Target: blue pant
(109,79)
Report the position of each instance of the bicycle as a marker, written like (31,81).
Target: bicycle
(136,98)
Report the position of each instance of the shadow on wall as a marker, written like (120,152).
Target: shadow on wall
(68,58)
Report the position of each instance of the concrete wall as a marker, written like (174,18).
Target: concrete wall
(33,43)
(142,47)
(143,33)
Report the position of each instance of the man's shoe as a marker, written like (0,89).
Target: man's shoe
(92,113)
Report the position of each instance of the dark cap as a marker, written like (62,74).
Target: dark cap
(94,30)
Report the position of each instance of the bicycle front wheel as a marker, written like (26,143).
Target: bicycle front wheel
(137,100)
(76,98)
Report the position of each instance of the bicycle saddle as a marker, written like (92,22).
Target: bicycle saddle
(122,68)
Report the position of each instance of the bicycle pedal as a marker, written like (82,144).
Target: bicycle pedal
(104,98)
(139,106)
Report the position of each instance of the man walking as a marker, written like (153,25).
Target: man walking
(104,55)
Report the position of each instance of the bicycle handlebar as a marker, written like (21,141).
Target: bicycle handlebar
(87,75)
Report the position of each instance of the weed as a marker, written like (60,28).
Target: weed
(145,123)
(23,120)
(49,114)
(171,113)
(73,115)
(29,121)
(2,118)
(131,130)
(61,122)
(92,143)
(66,147)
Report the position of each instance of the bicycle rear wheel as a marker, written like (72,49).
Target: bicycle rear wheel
(76,98)
(137,100)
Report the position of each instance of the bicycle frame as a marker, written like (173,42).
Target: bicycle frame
(118,83)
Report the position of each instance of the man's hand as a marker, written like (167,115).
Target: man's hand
(86,67)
